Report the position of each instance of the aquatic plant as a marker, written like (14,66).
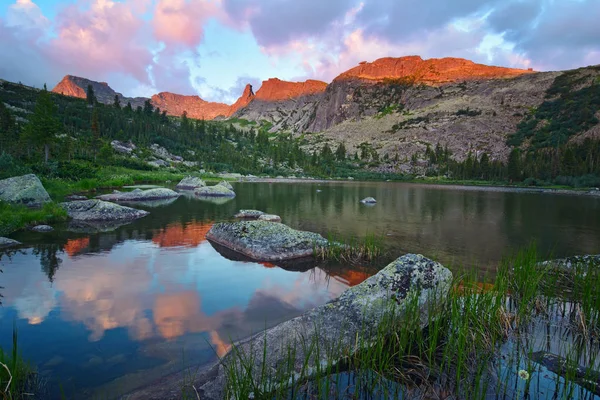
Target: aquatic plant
(350,249)
(17,379)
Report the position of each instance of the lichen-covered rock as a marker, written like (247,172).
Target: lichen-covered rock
(26,189)
(42,228)
(190,183)
(265,241)
(337,328)
(6,242)
(98,210)
(368,200)
(214,191)
(249,214)
(226,184)
(140,195)
(270,218)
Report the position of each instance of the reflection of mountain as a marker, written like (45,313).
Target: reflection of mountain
(352,277)
(75,246)
(176,234)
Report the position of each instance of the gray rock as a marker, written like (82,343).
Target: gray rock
(270,218)
(26,189)
(75,197)
(190,183)
(6,242)
(98,210)
(249,214)
(140,195)
(214,191)
(337,328)
(121,147)
(226,184)
(368,200)
(158,163)
(42,228)
(265,241)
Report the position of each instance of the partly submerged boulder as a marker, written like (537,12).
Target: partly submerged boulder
(98,210)
(42,228)
(6,242)
(337,329)
(368,200)
(140,195)
(190,183)
(265,241)
(214,191)
(249,214)
(75,197)
(226,184)
(270,218)
(26,189)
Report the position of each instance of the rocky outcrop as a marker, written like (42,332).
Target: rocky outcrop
(338,328)
(26,190)
(190,183)
(75,86)
(122,147)
(245,99)
(194,106)
(6,242)
(275,89)
(214,191)
(265,241)
(98,210)
(226,184)
(139,195)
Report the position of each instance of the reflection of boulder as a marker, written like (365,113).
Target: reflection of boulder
(153,203)
(298,264)
(140,195)
(341,325)
(6,242)
(95,226)
(214,200)
(265,241)
(26,189)
(98,210)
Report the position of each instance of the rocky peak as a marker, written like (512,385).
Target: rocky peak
(244,99)
(275,89)
(434,71)
(76,86)
(69,87)
(197,108)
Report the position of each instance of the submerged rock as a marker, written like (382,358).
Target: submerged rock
(190,183)
(75,197)
(368,200)
(42,228)
(249,214)
(6,242)
(270,218)
(216,191)
(140,195)
(98,210)
(265,241)
(26,190)
(226,184)
(337,328)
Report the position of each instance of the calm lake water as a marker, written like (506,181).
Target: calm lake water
(101,313)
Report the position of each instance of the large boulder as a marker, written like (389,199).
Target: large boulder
(98,210)
(214,191)
(121,147)
(6,242)
(190,183)
(140,195)
(42,228)
(226,184)
(26,189)
(265,241)
(337,329)
(249,214)
(270,218)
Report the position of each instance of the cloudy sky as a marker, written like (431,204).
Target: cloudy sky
(214,47)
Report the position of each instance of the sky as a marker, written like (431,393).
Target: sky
(213,48)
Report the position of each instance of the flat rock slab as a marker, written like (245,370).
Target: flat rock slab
(337,328)
(249,214)
(190,183)
(42,228)
(27,190)
(140,195)
(214,191)
(98,210)
(265,241)
(6,242)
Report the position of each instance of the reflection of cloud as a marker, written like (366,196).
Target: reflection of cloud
(36,301)
(74,246)
(190,235)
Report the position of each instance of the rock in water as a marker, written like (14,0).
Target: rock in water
(190,183)
(26,189)
(42,228)
(265,241)
(270,218)
(338,328)
(140,195)
(214,191)
(226,184)
(6,242)
(75,197)
(368,200)
(98,210)
(249,214)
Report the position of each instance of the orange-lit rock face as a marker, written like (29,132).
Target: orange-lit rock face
(244,99)
(74,246)
(176,104)
(433,71)
(68,87)
(275,89)
(190,235)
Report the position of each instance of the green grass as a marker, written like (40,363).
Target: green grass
(475,342)
(13,218)
(351,249)
(15,374)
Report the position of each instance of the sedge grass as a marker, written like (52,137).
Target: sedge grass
(351,249)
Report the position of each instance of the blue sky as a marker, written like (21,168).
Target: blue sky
(214,47)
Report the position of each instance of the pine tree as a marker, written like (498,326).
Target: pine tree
(340,153)
(514,165)
(43,124)
(117,103)
(90,96)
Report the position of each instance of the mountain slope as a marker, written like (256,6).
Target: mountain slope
(75,86)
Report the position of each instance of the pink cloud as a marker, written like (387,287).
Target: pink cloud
(182,22)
